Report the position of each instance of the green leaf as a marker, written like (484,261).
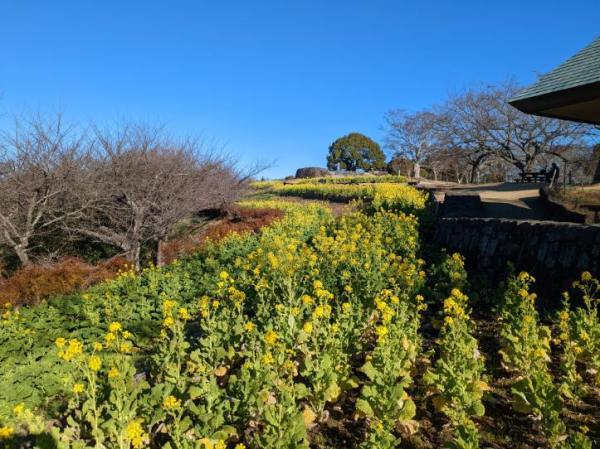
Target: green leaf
(369,370)
(364,408)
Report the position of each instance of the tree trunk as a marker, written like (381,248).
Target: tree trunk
(417,170)
(473,173)
(133,254)
(22,255)
(160,259)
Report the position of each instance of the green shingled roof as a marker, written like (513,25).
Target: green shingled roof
(581,69)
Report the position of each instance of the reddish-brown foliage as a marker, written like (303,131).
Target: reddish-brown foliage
(32,283)
(238,220)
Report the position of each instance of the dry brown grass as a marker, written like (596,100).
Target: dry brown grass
(578,196)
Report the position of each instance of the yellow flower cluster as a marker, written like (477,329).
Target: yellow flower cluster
(208,443)
(169,313)
(136,435)
(6,432)
(117,337)
(454,307)
(525,277)
(271,338)
(171,403)
(385,194)
(68,351)
(95,363)
(322,311)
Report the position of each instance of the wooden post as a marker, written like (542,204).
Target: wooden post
(596,160)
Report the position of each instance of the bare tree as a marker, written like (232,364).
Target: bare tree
(39,162)
(411,135)
(462,135)
(143,182)
(449,163)
(483,123)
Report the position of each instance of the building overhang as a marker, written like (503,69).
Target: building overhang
(579,104)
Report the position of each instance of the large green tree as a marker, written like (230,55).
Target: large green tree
(355,151)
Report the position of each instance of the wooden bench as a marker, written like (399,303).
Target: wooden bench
(533,176)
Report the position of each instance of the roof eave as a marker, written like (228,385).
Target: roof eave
(538,104)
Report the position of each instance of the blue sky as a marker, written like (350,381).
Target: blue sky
(272,80)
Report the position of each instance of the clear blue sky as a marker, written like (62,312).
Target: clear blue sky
(272,80)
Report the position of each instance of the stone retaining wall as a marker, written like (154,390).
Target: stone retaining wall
(462,204)
(559,211)
(554,252)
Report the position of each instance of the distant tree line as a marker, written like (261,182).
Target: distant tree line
(477,134)
(124,187)
(472,136)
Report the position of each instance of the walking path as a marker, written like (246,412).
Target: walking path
(500,200)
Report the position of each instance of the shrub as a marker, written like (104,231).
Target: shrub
(311,172)
(241,220)
(33,283)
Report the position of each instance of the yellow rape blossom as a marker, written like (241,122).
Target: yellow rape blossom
(307,300)
(523,293)
(6,431)
(267,359)
(109,338)
(322,311)
(183,313)
(19,409)
(206,443)
(72,350)
(168,321)
(168,305)
(95,363)
(171,403)
(382,332)
(135,434)
(271,338)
